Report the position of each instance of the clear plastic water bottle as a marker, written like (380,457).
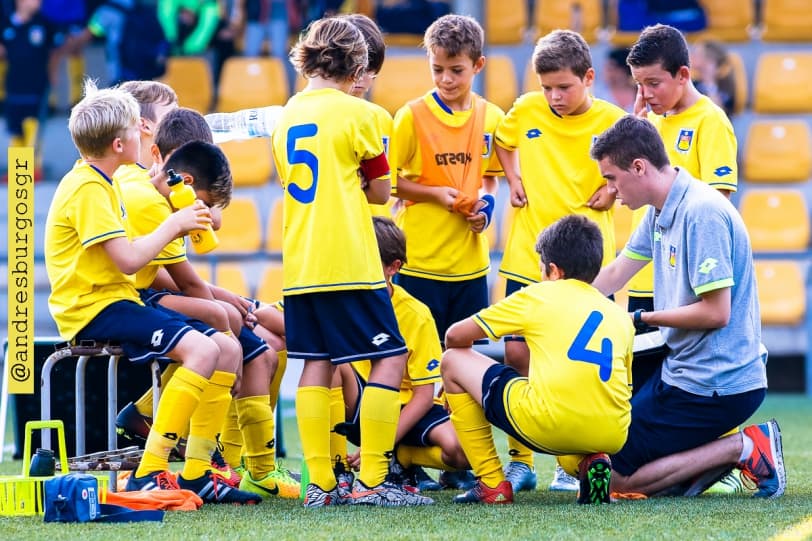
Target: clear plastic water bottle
(244,124)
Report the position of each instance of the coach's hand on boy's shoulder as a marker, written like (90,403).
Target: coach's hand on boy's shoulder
(196,216)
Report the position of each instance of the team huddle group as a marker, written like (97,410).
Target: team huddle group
(382,311)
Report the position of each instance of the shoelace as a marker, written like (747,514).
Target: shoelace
(216,479)
(166,481)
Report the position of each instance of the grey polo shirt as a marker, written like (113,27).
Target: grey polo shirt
(698,243)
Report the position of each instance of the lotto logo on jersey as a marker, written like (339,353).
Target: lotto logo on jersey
(487,145)
(533,133)
(684,140)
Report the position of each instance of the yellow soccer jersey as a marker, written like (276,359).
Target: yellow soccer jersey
(329,242)
(420,334)
(440,244)
(85,212)
(576,396)
(558,176)
(385,126)
(701,141)
(146,210)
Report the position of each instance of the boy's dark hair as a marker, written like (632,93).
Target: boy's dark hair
(209,167)
(148,94)
(628,139)
(456,34)
(575,244)
(332,48)
(180,126)
(391,240)
(374,38)
(660,44)
(560,50)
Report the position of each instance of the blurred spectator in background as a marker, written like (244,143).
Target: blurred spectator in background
(617,76)
(408,16)
(265,20)
(712,73)
(68,17)
(685,15)
(31,47)
(193,27)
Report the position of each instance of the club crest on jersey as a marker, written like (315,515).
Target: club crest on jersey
(684,140)
(487,145)
(672,256)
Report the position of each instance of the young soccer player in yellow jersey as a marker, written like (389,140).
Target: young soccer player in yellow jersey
(88,261)
(336,305)
(575,400)
(206,168)
(442,148)
(424,436)
(697,133)
(551,132)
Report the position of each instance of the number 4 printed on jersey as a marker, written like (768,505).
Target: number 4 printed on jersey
(578,350)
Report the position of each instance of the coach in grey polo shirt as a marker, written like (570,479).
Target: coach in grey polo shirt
(706,306)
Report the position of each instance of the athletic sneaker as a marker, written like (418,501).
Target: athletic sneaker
(563,482)
(595,472)
(457,480)
(765,465)
(277,483)
(701,483)
(212,488)
(230,476)
(159,480)
(344,480)
(386,494)
(417,477)
(135,427)
(316,497)
(481,493)
(521,476)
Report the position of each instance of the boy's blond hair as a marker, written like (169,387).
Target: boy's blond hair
(100,117)
(560,50)
(456,34)
(148,94)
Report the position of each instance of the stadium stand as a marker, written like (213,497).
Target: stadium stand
(230,276)
(402,78)
(505,21)
(781,292)
(273,234)
(241,230)
(783,82)
(270,285)
(191,78)
(729,20)
(786,20)
(251,161)
(777,220)
(583,16)
(252,82)
(501,86)
(778,151)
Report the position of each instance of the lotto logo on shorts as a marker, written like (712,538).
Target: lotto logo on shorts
(380,339)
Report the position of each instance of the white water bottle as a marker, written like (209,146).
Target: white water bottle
(244,124)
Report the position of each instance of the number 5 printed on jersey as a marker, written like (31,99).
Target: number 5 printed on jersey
(303,157)
(578,350)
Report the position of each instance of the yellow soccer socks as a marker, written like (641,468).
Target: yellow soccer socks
(476,438)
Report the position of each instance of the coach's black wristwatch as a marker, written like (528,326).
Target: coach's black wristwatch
(637,318)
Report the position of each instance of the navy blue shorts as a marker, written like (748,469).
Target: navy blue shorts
(150,296)
(668,420)
(418,435)
(494,382)
(144,332)
(342,326)
(252,345)
(22,106)
(449,302)
(511,287)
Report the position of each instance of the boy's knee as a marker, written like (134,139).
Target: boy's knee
(230,353)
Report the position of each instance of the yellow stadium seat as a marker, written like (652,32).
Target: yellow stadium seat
(241,230)
(729,20)
(231,277)
(777,220)
(783,82)
(583,16)
(787,20)
(501,86)
(191,78)
(498,289)
(778,151)
(531,80)
(252,82)
(505,21)
(273,234)
(402,78)
(250,160)
(781,292)
(270,285)
(402,40)
(623,225)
